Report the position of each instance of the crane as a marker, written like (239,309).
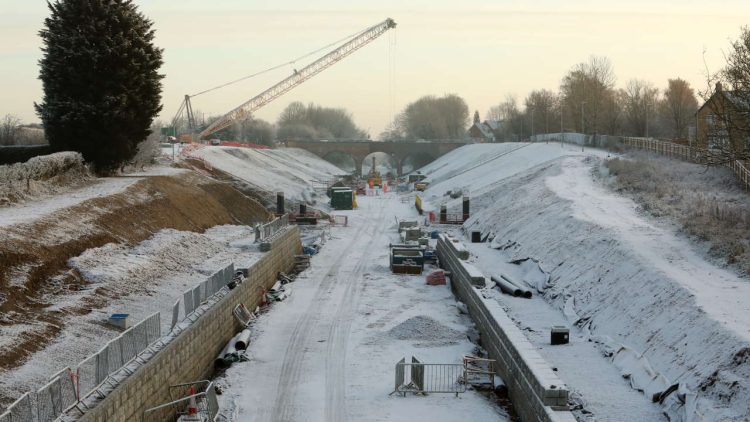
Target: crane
(245,110)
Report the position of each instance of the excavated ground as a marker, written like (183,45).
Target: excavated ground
(35,276)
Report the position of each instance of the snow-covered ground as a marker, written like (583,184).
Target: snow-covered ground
(139,281)
(643,294)
(290,170)
(328,353)
(33,209)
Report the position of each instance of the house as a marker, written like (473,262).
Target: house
(723,122)
(481,132)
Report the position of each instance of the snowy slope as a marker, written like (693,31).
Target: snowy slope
(478,167)
(285,169)
(662,312)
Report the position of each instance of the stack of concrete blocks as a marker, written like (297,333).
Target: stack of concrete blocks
(537,393)
(189,356)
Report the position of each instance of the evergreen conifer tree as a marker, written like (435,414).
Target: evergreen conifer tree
(100,76)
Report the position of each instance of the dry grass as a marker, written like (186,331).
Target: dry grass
(708,203)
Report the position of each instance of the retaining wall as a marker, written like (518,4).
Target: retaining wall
(190,356)
(537,393)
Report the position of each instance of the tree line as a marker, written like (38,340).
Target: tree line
(588,101)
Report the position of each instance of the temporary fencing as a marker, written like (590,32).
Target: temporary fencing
(21,410)
(268,230)
(112,363)
(429,377)
(202,393)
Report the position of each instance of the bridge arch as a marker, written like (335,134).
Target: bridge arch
(342,160)
(386,163)
(414,161)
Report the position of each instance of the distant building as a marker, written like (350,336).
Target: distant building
(481,132)
(723,122)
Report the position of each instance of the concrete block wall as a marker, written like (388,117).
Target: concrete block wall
(190,356)
(535,390)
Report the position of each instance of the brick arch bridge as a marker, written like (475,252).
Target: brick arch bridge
(359,150)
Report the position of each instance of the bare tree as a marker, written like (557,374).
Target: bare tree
(9,129)
(640,102)
(728,95)
(587,88)
(542,103)
(679,106)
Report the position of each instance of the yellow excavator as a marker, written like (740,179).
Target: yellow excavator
(374,179)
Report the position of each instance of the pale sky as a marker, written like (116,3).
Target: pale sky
(480,50)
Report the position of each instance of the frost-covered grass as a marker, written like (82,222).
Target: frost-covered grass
(43,175)
(708,204)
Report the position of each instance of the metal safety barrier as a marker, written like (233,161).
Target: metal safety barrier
(68,388)
(181,395)
(429,377)
(22,410)
(266,231)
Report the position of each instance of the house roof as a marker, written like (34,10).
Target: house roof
(493,124)
(738,99)
(485,130)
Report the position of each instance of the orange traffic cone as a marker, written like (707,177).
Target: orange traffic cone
(192,405)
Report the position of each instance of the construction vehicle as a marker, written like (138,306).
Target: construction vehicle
(245,110)
(420,186)
(374,178)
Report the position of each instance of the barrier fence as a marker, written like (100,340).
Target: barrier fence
(266,231)
(429,377)
(68,388)
(204,394)
(686,153)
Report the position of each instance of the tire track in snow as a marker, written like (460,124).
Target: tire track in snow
(338,335)
(283,409)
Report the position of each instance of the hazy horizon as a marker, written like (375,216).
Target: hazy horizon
(481,51)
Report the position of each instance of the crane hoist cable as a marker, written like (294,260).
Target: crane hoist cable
(244,110)
(278,66)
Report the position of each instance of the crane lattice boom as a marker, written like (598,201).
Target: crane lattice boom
(245,110)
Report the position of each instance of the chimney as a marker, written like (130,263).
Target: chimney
(718,86)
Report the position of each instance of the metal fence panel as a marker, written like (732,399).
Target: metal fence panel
(128,346)
(204,290)
(196,297)
(417,373)
(153,327)
(187,299)
(68,387)
(87,376)
(49,401)
(114,354)
(22,410)
(141,337)
(175,314)
(102,365)
(400,375)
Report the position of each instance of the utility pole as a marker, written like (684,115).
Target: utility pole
(532,124)
(583,128)
(562,131)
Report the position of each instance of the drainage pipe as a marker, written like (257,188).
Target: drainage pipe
(507,287)
(243,340)
(525,291)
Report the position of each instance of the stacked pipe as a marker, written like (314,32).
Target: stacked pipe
(509,286)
